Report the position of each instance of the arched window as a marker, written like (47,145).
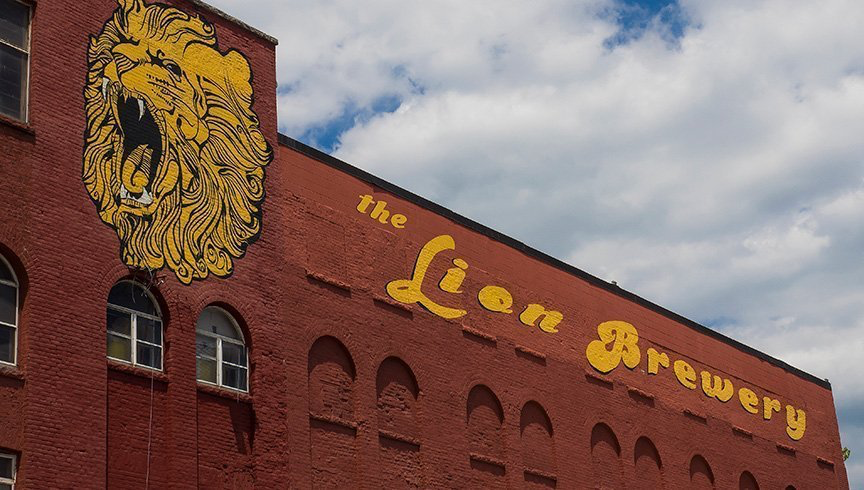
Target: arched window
(8,313)
(134,326)
(220,350)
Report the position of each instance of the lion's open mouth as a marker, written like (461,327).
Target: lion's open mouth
(140,150)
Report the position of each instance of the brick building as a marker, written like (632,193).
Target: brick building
(189,299)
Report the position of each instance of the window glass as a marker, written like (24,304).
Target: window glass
(130,295)
(5,467)
(234,377)
(134,330)
(8,304)
(8,313)
(5,273)
(119,347)
(14,52)
(149,355)
(14,22)
(119,322)
(150,330)
(221,355)
(233,353)
(7,471)
(7,344)
(206,346)
(206,369)
(214,320)
(13,79)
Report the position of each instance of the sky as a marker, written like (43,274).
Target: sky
(706,155)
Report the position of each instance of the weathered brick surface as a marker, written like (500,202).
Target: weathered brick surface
(348,387)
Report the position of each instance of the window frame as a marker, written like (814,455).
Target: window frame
(219,358)
(26,86)
(17,285)
(14,459)
(133,329)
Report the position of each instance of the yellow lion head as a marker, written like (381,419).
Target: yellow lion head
(173,156)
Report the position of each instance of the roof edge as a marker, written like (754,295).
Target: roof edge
(334,162)
(230,18)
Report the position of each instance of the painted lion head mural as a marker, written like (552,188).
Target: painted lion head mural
(173,155)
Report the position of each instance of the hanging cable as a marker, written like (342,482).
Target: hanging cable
(149,436)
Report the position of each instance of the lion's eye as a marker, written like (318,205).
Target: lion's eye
(174,68)
(158,59)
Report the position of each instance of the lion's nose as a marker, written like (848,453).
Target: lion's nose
(127,56)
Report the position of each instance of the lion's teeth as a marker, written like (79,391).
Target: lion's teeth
(145,198)
(123,192)
(105,83)
(140,108)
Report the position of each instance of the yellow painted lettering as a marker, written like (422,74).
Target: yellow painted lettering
(685,373)
(716,387)
(495,299)
(655,360)
(398,221)
(625,346)
(749,400)
(409,290)
(796,422)
(550,320)
(380,212)
(365,201)
(452,281)
(769,406)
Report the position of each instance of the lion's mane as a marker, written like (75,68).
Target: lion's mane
(213,211)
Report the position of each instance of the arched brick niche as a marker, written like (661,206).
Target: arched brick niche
(747,481)
(399,435)
(331,379)
(701,476)
(649,468)
(485,419)
(606,457)
(538,447)
(332,423)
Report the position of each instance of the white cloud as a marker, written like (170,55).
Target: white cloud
(721,176)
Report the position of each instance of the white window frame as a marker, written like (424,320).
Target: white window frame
(14,459)
(219,340)
(26,87)
(133,330)
(14,283)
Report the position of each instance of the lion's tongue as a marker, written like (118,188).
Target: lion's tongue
(136,169)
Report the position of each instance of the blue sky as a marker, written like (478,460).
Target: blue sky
(633,19)
(706,155)
(325,135)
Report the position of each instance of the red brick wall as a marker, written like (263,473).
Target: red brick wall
(75,422)
(134,439)
(522,364)
(348,387)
